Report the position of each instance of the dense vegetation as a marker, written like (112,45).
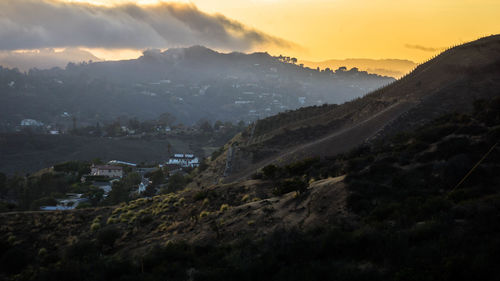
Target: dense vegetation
(418,218)
(29,192)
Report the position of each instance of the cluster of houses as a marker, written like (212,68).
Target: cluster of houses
(109,171)
(103,176)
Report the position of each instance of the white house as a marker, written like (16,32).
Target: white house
(118,162)
(31,122)
(107,170)
(143,185)
(184,160)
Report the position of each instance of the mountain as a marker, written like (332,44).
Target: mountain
(44,58)
(417,202)
(385,67)
(190,83)
(450,82)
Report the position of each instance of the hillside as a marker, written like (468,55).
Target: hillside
(189,83)
(450,82)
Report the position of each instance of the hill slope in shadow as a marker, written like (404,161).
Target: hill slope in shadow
(450,82)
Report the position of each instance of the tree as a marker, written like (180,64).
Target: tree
(176,182)
(218,124)
(98,130)
(134,124)
(241,125)
(95,195)
(166,119)
(113,129)
(119,193)
(120,190)
(205,126)
(157,177)
(3,183)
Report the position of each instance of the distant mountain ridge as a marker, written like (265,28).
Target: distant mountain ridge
(386,67)
(44,58)
(191,83)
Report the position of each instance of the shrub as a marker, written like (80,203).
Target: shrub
(108,235)
(270,171)
(205,201)
(45,201)
(146,219)
(95,226)
(224,207)
(204,214)
(84,205)
(11,239)
(42,252)
(216,153)
(82,250)
(290,185)
(300,167)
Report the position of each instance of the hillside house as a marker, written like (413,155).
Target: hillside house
(31,123)
(184,161)
(107,171)
(118,162)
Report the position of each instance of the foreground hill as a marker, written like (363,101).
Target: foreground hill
(422,205)
(450,82)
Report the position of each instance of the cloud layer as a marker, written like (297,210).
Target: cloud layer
(35,24)
(43,58)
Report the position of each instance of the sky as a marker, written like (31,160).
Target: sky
(307,29)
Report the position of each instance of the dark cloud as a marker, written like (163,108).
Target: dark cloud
(423,48)
(34,24)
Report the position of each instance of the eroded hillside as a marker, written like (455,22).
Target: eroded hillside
(450,82)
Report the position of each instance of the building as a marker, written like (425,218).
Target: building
(118,162)
(31,123)
(107,171)
(184,161)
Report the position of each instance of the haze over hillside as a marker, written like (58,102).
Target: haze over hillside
(386,67)
(49,58)
(190,83)
(44,58)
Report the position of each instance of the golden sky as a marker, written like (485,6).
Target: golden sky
(405,29)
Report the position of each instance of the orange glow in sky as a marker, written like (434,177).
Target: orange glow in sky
(405,29)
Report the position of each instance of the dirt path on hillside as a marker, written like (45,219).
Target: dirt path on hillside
(334,143)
